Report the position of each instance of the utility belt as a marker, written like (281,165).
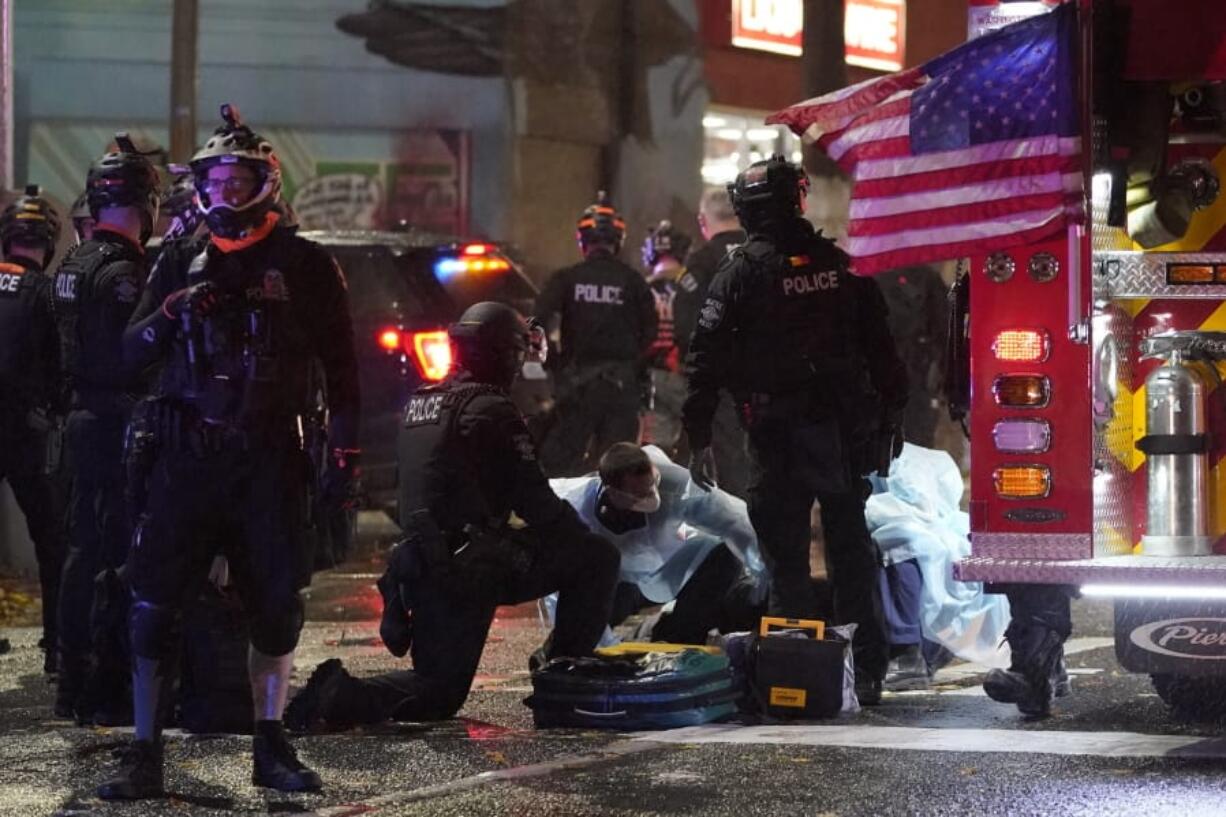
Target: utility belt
(177,426)
(577,375)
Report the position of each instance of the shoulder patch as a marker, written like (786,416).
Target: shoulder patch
(126,289)
(688,282)
(712,313)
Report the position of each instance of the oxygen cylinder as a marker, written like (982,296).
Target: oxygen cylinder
(1176,445)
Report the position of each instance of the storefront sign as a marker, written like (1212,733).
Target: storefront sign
(768,25)
(874,33)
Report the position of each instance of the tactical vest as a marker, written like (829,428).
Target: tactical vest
(20,383)
(797,313)
(434,468)
(73,286)
(248,364)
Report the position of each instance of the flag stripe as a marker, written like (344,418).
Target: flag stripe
(824,111)
(937,179)
(883,168)
(880,262)
(907,239)
(898,105)
(954,215)
(982,192)
(863,136)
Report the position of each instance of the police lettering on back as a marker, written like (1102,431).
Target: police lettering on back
(423,410)
(810,283)
(9,281)
(598,294)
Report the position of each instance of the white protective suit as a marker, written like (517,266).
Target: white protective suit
(915,515)
(691,522)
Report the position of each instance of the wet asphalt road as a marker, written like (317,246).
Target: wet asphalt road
(491,761)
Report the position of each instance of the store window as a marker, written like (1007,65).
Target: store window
(733,140)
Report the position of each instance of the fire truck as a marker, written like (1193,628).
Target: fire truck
(1095,361)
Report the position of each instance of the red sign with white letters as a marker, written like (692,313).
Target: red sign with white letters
(769,25)
(874,33)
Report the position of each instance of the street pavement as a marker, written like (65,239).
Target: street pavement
(1110,749)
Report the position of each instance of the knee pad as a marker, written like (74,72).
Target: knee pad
(153,629)
(275,626)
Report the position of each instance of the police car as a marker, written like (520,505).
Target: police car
(404,289)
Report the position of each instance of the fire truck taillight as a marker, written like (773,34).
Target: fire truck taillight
(1022,436)
(1022,345)
(1021,390)
(432,353)
(1022,481)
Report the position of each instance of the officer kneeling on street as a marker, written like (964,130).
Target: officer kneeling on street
(239,322)
(467,462)
(804,348)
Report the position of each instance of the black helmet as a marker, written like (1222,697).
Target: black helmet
(600,225)
(769,194)
(30,220)
(665,239)
(235,143)
(124,178)
(491,341)
(179,202)
(82,219)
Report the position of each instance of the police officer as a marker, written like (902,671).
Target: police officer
(664,252)
(29,375)
(606,316)
(804,347)
(467,462)
(95,290)
(722,232)
(238,321)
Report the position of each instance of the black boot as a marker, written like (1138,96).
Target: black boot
(868,690)
(908,670)
(309,709)
(1036,672)
(276,764)
(70,687)
(140,773)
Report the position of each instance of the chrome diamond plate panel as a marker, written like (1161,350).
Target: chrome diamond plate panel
(1112,365)
(1197,570)
(1143,275)
(1031,545)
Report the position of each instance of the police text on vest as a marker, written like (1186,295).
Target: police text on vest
(813,282)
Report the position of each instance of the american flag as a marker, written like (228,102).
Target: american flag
(974,151)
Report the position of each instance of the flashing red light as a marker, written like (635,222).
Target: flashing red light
(432,353)
(475,249)
(389,339)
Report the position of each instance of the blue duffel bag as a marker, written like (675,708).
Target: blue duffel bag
(651,691)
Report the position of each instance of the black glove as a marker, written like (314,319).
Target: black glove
(201,300)
(341,475)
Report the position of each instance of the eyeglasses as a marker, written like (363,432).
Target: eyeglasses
(229,184)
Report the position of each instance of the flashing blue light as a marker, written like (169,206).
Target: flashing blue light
(447,268)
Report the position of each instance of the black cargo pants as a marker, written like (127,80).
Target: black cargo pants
(797,458)
(453,608)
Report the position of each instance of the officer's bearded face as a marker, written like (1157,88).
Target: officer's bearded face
(233,183)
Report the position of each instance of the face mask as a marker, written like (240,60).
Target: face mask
(641,503)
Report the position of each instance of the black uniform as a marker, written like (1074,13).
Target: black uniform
(918,302)
(224,449)
(804,347)
(727,436)
(466,462)
(29,373)
(94,292)
(608,323)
